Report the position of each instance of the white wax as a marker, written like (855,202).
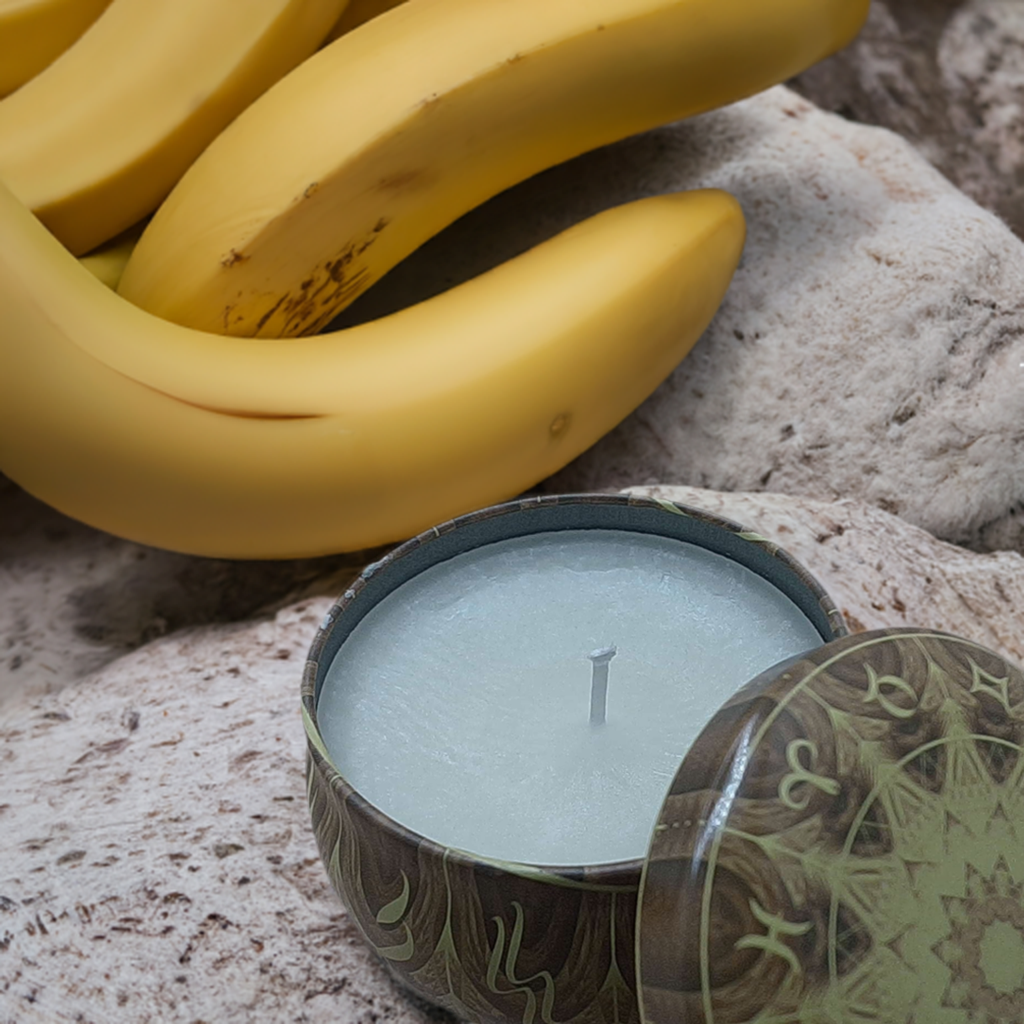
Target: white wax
(460,705)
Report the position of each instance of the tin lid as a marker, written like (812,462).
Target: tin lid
(844,843)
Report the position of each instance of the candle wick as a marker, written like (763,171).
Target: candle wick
(599,683)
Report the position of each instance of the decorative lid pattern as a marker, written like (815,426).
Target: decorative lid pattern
(844,844)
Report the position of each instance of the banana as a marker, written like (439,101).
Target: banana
(381,139)
(218,446)
(357,12)
(93,143)
(107,261)
(33,33)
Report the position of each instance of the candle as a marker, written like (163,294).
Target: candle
(580,641)
(531,699)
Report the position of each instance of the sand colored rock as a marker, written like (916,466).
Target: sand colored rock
(158,863)
(948,75)
(871,345)
(880,571)
(73,599)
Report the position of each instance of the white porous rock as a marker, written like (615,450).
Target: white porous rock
(871,345)
(158,861)
(881,571)
(73,599)
(949,77)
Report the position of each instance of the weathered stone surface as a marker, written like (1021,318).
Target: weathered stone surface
(158,864)
(880,571)
(871,345)
(73,599)
(948,75)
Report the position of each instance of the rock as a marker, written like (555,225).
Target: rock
(158,860)
(880,571)
(948,75)
(871,345)
(73,599)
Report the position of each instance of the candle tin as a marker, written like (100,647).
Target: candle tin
(495,941)
(842,842)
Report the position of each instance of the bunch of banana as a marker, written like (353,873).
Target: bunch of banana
(33,33)
(139,413)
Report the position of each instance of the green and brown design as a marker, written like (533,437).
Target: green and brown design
(845,844)
(503,943)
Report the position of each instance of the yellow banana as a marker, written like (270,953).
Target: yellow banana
(93,143)
(356,438)
(359,11)
(107,261)
(381,139)
(33,33)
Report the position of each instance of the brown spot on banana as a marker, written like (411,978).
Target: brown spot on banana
(261,323)
(312,305)
(233,257)
(400,181)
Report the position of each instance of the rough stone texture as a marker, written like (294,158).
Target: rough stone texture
(73,599)
(872,342)
(948,75)
(158,863)
(870,346)
(880,571)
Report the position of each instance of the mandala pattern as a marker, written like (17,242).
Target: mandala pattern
(859,856)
